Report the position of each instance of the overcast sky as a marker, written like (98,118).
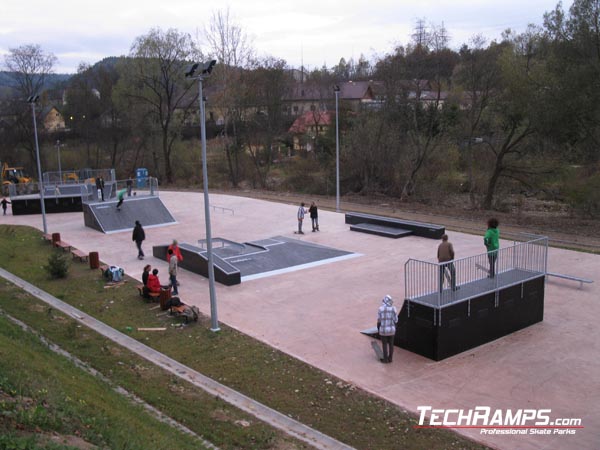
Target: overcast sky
(315,32)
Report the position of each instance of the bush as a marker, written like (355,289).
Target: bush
(583,195)
(58,265)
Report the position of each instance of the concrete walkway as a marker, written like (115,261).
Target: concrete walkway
(551,365)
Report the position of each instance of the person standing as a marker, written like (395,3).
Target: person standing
(491,240)
(173,271)
(314,216)
(120,196)
(4,202)
(301,213)
(138,237)
(100,186)
(129,184)
(176,250)
(445,256)
(387,317)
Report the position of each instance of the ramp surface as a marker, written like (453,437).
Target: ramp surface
(104,216)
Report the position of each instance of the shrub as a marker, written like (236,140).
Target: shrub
(583,195)
(58,265)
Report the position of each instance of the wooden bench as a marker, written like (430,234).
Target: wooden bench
(62,244)
(153,296)
(76,253)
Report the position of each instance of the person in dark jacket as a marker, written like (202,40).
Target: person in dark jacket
(4,202)
(314,216)
(138,236)
(100,186)
(445,256)
(146,273)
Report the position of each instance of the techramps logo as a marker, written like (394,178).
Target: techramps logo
(499,421)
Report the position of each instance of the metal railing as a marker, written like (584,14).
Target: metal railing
(440,282)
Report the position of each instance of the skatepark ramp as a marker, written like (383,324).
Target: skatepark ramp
(104,216)
(453,307)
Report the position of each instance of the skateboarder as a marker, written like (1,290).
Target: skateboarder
(314,216)
(301,212)
(120,196)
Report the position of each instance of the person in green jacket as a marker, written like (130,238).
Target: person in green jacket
(491,239)
(120,196)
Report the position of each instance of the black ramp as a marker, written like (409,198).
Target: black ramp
(281,254)
(104,216)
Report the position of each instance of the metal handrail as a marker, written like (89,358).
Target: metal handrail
(426,278)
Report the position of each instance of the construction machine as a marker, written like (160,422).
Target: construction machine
(14,175)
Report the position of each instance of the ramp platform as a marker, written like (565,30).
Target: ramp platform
(104,216)
(236,262)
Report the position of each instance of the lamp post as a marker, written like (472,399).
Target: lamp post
(59,167)
(199,72)
(32,101)
(336,89)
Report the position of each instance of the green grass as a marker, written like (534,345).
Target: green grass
(265,374)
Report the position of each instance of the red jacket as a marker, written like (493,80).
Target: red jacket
(176,252)
(153,283)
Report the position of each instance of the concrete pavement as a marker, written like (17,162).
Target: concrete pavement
(316,315)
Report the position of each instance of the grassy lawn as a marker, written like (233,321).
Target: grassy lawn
(251,367)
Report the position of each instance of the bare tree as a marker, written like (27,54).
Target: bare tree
(29,66)
(232,48)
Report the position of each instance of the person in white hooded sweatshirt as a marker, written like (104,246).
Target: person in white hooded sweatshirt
(387,317)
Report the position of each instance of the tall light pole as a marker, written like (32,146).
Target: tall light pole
(199,72)
(336,89)
(32,101)
(59,168)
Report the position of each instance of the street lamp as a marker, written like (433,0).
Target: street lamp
(336,89)
(32,101)
(59,168)
(199,71)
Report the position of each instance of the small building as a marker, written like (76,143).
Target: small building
(308,127)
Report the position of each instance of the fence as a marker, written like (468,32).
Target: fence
(442,284)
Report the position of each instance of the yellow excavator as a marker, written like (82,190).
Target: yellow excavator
(14,175)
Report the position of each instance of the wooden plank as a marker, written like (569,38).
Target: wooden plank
(152,329)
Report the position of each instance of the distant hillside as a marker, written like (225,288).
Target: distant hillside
(7,80)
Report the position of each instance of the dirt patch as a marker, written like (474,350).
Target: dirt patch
(519,215)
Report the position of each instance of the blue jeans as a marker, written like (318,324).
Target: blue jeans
(173,279)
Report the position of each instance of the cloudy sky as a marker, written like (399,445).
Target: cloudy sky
(315,32)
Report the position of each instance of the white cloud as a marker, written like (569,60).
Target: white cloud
(312,30)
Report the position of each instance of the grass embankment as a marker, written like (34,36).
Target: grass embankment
(251,367)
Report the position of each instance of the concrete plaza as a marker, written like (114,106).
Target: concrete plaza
(316,314)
